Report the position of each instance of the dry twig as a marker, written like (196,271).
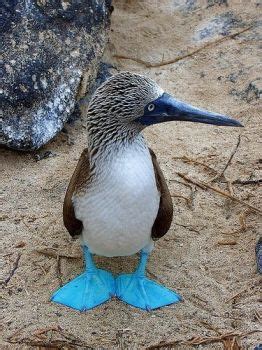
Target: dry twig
(220,338)
(190,228)
(242,220)
(248,182)
(230,187)
(164,345)
(258,316)
(228,339)
(186,55)
(40,333)
(20,244)
(209,326)
(243,225)
(54,253)
(57,255)
(237,295)
(205,186)
(16,333)
(222,174)
(231,344)
(40,338)
(14,268)
(229,242)
(194,161)
(188,200)
(58,270)
(192,192)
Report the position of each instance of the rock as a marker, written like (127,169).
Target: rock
(221,24)
(44,155)
(211,3)
(103,73)
(52,50)
(259,255)
(251,92)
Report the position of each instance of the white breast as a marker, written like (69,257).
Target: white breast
(120,207)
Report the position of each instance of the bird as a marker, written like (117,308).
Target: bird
(118,200)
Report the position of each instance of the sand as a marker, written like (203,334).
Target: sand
(203,52)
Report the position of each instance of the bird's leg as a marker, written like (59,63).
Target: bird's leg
(137,290)
(90,289)
(89,262)
(141,269)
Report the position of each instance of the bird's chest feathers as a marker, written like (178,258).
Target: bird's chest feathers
(132,180)
(122,204)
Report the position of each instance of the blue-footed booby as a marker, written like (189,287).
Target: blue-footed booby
(118,199)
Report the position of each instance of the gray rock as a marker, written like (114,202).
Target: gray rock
(52,49)
(251,92)
(211,3)
(221,24)
(259,255)
(103,73)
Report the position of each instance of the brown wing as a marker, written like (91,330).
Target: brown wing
(81,173)
(165,212)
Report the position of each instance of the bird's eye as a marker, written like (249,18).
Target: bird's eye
(151,107)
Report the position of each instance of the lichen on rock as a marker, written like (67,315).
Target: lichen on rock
(49,46)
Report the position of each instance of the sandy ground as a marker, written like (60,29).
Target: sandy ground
(204,52)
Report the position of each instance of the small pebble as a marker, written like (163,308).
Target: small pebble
(20,244)
(43,155)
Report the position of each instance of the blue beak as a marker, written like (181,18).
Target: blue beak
(166,108)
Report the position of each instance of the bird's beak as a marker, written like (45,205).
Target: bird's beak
(166,108)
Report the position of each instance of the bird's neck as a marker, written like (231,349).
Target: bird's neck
(107,144)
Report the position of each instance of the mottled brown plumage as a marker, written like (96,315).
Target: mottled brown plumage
(79,180)
(165,212)
(80,175)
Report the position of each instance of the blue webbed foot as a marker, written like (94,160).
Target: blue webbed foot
(137,290)
(88,290)
(144,293)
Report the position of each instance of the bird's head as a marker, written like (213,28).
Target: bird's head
(135,101)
